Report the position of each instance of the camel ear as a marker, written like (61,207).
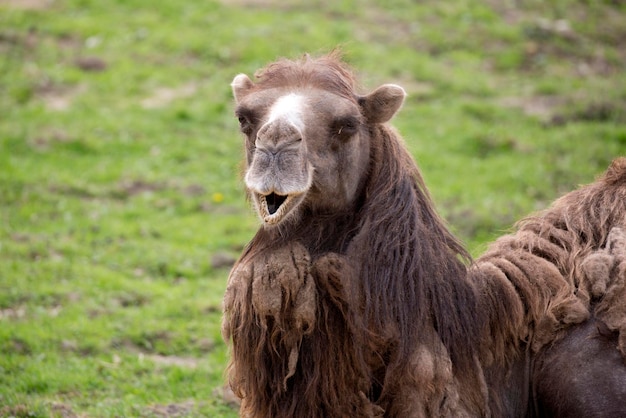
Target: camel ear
(380,105)
(241,85)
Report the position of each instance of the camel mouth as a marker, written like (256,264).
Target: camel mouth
(274,207)
(274,201)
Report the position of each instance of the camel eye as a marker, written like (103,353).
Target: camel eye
(344,128)
(350,126)
(245,119)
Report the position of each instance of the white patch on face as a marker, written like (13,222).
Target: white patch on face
(289,108)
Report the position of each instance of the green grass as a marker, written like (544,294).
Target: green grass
(119,164)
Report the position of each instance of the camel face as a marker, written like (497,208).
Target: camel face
(278,174)
(307,148)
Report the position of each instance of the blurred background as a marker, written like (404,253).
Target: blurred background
(121,201)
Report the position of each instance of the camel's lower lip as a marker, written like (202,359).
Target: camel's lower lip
(273,207)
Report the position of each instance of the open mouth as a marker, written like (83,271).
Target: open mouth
(274,207)
(274,201)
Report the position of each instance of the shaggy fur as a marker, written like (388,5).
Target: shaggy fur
(552,274)
(604,279)
(405,303)
(585,358)
(554,265)
(370,310)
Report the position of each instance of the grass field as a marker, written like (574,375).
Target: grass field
(121,204)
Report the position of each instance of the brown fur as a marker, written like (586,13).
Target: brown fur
(552,274)
(327,73)
(580,375)
(604,279)
(366,308)
(543,260)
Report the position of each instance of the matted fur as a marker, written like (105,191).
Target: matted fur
(371,310)
(560,268)
(544,261)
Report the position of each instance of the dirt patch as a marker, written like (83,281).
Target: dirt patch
(16,346)
(205,345)
(212,309)
(71,191)
(128,188)
(62,410)
(227,396)
(27,4)
(17,312)
(184,362)
(17,411)
(49,138)
(131,299)
(543,107)
(194,190)
(222,259)
(124,189)
(91,64)
(163,96)
(274,4)
(594,112)
(135,187)
(173,409)
(58,98)
(142,344)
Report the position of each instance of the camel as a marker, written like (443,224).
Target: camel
(354,299)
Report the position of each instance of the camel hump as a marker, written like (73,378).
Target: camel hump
(616,173)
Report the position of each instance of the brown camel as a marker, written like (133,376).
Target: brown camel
(354,299)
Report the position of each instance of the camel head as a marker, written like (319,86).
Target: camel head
(307,136)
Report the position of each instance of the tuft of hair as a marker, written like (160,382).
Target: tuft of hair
(616,173)
(327,72)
